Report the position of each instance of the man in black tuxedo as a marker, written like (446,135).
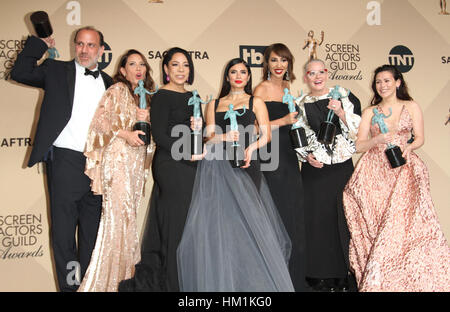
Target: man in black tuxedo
(72,92)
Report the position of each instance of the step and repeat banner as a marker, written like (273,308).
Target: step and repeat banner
(352,36)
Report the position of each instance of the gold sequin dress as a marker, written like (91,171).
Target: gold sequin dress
(118,172)
(396,241)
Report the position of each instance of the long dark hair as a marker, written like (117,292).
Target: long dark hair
(226,87)
(402,90)
(282,51)
(149,84)
(168,56)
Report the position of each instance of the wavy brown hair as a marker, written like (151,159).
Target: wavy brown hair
(283,51)
(149,84)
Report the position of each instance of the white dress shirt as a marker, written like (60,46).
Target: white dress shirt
(87,94)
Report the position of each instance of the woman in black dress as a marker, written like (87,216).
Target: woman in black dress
(283,171)
(173,175)
(325,171)
(234,239)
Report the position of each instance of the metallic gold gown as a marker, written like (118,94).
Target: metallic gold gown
(118,172)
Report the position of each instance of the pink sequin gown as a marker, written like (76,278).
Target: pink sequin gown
(118,172)
(396,241)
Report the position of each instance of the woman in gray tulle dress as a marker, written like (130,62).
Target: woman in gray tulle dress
(234,239)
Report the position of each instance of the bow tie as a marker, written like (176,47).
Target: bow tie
(93,73)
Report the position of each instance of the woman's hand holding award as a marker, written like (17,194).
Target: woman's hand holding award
(143,125)
(327,130)
(297,132)
(238,152)
(196,134)
(393,152)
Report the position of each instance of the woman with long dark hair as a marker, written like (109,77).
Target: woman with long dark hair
(173,171)
(234,239)
(283,172)
(396,241)
(115,162)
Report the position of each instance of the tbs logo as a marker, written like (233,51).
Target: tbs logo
(253,55)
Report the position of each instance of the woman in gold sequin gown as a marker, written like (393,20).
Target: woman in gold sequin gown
(396,241)
(117,163)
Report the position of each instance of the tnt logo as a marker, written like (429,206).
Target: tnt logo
(253,55)
(106,58)
(401,57)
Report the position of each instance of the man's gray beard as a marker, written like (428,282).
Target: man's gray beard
(93,63)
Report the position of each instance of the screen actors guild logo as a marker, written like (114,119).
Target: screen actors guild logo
(19,236)
(343,60)
(9,48)
(443,4)
(401,57)
(312,44)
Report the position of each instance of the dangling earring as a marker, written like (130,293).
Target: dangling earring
(268,75)
(287,75)
(167,78)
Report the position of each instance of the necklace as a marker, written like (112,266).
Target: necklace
(237,92)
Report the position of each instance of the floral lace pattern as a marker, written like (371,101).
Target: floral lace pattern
(344,144)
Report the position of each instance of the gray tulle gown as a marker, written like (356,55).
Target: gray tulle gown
(233,239)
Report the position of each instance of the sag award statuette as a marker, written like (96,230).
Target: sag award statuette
(43,28)
(297,132)
(238,152)
(196,134)
(143,125)
(393,152)
(327,130)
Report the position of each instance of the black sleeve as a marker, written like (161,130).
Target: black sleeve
(203,119)
(159,118)
(356,104)
(25,68)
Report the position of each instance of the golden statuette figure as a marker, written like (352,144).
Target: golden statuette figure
(312,44)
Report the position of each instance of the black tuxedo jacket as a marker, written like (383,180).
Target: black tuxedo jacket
(57,78)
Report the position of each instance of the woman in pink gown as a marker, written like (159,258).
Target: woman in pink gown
(117,161)
(396,241)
